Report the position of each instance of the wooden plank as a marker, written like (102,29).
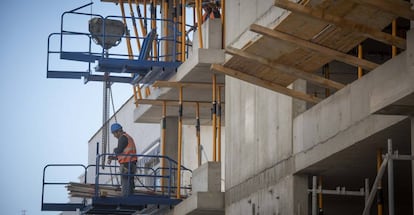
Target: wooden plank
(343,23)
(349,59)
(174,84)
(318,80)
(264,83)
(396,7)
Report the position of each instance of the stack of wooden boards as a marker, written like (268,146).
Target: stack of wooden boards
(88,190)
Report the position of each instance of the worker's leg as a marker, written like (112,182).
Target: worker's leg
(124,179)
(127,180)
(131,178)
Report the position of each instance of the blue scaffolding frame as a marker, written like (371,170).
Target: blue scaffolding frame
(102,204)
(144,68)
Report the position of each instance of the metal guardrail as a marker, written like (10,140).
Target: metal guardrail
(165,189)
(90,53)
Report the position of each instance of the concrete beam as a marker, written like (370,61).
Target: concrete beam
(316,136)
(399,100)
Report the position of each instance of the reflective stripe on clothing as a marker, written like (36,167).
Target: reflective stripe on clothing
(129,150)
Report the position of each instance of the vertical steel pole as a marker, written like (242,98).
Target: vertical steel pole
(366,192)
(223,23)
(180,123)
(219,125)
(165,29)
(214,108)
(163,136)
(183,31)
(390,180)
(375,187)
(153,7)
(198,133)
(320,205)
(314,196)
(379,195)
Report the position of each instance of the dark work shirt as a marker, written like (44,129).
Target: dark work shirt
(122,144)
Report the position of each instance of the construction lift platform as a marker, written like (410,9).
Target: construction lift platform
(92,55)
(104,197)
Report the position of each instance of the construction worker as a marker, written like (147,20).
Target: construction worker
(211,11)
(126,155)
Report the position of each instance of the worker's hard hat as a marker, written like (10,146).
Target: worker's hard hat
(115,127)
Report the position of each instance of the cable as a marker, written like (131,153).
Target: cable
(113,105)
(113,109)
(205,154)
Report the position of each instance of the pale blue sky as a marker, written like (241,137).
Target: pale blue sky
(43,120)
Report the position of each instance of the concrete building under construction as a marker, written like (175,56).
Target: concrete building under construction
(250,107)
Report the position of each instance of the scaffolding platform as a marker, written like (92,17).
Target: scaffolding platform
(101,62)
(156,187)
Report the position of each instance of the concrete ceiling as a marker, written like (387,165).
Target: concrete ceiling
(351,166)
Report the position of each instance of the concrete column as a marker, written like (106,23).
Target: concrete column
(300,195)
(299,106)
(171,137)
(170,145)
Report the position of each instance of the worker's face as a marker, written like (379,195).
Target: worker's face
(117,134)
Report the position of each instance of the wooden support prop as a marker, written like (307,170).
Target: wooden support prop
(343,23)
(360,55)
(184,84)
(264,83)
(337,55)
(396,7)
(316,79)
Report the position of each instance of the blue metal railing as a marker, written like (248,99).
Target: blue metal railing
(155,175)
(169,174)
(47,183)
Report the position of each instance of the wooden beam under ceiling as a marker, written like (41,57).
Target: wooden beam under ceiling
(264,83)
(337,55)
(396,7)
(174,84)
(316,79)
(343,23)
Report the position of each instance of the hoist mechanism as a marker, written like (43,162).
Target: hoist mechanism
(89,49)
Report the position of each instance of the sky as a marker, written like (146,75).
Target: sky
(43,120)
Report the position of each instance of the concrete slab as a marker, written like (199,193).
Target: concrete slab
(201,203)
(195,69)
